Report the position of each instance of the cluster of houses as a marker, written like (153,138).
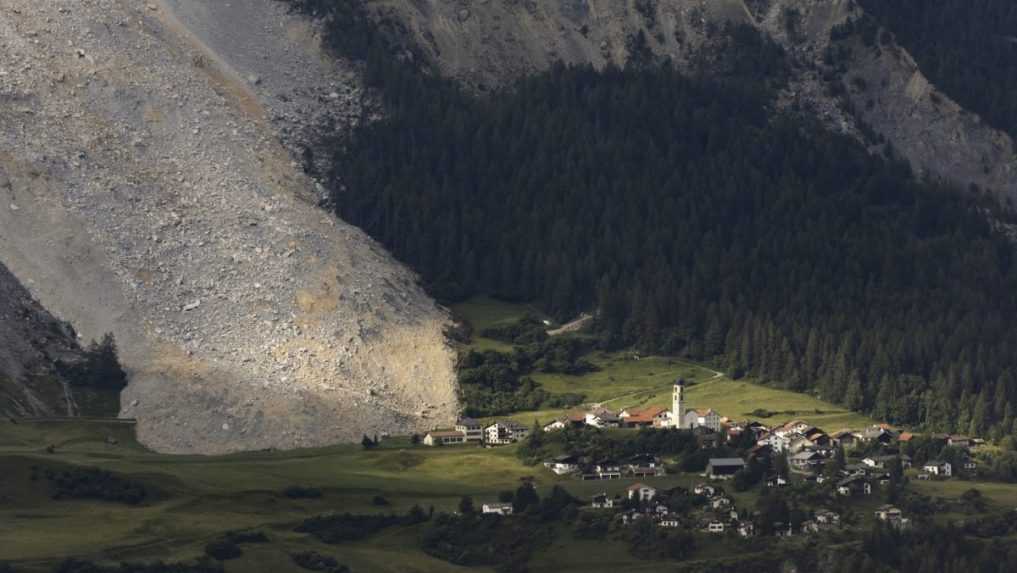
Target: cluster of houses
(470,431)
(641,466)
(717,515)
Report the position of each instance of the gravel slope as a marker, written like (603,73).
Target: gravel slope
(144,191)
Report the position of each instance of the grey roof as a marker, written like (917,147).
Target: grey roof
(468,422)
(720,462)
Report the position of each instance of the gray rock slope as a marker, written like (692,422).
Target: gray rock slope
(144,192)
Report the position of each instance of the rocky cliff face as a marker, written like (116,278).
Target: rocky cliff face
(144,191)
(32,341)
(487,43)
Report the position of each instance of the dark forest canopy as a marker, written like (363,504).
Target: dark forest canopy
(695,220)
(968,48)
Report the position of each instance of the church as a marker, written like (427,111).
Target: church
(690,419)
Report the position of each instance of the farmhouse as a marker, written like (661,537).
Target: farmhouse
(724,468)
(806,459)
(444,438)
(845,438)
(504,432)
(603,418)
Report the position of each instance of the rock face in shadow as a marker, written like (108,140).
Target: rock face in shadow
(488,43)
(146,193)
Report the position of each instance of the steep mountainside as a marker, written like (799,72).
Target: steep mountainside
(143,192)
(491,43)
(31,343)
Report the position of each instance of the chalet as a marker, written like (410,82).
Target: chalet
(806,459)
(607,469)
(891,515)
(669,522)
(709,441)
(603,418)
(761,452)
(641,492)
(777,442)
(844,438)
(818,437)
(792,427)
(854,485)
(505,432)
(702,419)
(563,465)
(970,465)
(497,508)
(649,417)
(720,502)
(724,468)
(472,429)
(878,434)
(444,438)
(602,501)
(938,468)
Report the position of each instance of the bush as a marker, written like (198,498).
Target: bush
(238,537)
(301,492)
(93,483)
(380,501)
(314,561)
(223,550)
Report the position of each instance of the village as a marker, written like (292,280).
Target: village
(791,454)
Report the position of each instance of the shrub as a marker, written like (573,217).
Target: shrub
(223,550)
(314,561)
(301,492)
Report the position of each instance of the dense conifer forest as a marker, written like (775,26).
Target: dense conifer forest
(968,48)
(696,220)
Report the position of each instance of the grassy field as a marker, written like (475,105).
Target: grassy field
(483,312)
(203,497)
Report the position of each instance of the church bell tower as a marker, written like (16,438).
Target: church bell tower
(677,408)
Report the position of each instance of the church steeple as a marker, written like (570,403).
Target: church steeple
(677,407)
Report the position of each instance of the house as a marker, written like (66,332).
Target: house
(844,438)
(818,437)
(878,434)
(557,425)
(806,459)
(776,481)
(746,529)
(970,465)
(709,419)
(607,469)
(959,441)
(641,492)
(724,468)
(444,438)
(905,437)
(854,485)
(882,462)
(792,427)
(602,501)
(505,432)
(777,442)
(938,468)
(827,517)
(720,502)
(563,465)
(761,452)
(603,418)
(669,522)
(649,417)
(887,513)
(497,508)
(472,429)
(716,527)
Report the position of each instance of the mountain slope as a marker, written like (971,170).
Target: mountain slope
(143,192)
(491,43)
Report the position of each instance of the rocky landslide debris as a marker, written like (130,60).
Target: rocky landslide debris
(249,318)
